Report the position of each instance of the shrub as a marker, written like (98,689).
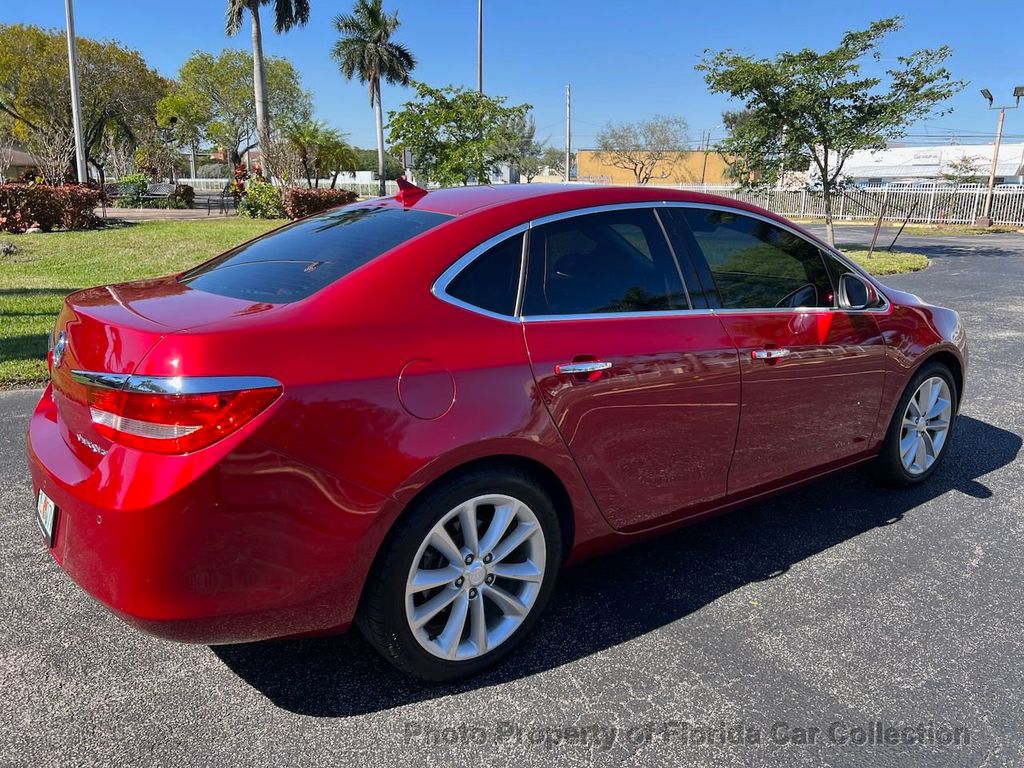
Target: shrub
(79,205)
(132,188)
(262,200)
(303,202)
(183,193)
(37,205)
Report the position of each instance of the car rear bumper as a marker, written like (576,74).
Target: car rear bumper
(251,547)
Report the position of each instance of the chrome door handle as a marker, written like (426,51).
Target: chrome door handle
(768,354)
(590,366)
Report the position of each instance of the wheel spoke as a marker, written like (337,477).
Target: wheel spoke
(519,534)
(934,390)
(509,604)
(430,578)
(938,408)
(478,624)
(441,540)
(920,454)
(526,571)
(467,518)
(433,606)
(452,632)
(912,407)
(503,517)
(907,446)
(929,447)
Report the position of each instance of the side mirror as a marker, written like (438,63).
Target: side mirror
(856,293)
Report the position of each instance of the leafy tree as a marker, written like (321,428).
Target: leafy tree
(964,171)
(287,14)
(366,50)
(524,150)
(755,155)
(642,146)
(117,89)
(455,134)
(824,103)
(553,159)
(213,99)
(320,150)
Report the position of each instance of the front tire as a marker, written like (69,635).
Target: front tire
(464,576)
(921,425)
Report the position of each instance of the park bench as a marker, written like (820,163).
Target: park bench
(160,191)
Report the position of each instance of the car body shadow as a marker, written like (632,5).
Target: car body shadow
(678,573)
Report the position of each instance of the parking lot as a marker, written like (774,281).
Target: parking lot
(779,634)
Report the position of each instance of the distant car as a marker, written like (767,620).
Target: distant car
(408,413)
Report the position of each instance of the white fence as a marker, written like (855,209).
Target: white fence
(923,205)
(371,189)
(928,205)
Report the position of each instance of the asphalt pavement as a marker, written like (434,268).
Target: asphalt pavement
(828,626)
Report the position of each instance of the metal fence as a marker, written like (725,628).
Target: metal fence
(363,189)
(929,205)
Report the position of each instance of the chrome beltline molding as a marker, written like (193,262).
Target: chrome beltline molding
(172,385)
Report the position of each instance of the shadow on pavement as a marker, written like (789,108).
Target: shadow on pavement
(680,572)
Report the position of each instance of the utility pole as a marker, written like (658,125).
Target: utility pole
(568,129)
(705,143)
(985,220)
(76,107)
(480,46)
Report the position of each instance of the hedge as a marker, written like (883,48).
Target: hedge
(302,202)
(23,206)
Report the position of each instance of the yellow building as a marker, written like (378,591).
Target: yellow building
(689,167)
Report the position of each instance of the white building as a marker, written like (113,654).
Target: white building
(927,164)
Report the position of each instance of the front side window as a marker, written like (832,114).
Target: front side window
(615,261)
(298,260)
(757,265)
(491,281)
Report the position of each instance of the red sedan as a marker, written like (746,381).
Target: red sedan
(409,413)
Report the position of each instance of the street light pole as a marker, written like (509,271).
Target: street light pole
(568,130)
(76,107)
(985,220)
(480,46)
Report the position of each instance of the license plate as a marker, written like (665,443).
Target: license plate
(46,516)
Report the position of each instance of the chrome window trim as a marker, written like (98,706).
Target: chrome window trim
(440,285)
(172,385)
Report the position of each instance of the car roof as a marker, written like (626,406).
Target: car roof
(455,201)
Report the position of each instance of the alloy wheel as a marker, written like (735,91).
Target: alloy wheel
(475,577)
(925,425)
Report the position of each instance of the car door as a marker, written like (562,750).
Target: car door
(642,385)
(812,373)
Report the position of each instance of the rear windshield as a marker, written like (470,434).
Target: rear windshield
(300,259)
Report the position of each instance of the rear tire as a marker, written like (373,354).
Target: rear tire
(491,583)
(921,426)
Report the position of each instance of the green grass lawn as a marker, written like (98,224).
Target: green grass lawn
(882,262)
(47,267)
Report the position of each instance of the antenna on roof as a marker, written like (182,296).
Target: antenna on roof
(408,192)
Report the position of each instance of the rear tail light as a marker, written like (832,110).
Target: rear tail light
(174,415)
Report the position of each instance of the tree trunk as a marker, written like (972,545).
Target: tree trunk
(259,79)
(830,234)
(380,141)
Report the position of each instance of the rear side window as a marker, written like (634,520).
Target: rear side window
(491,281)
(757,265)
(300,259)
(615,261)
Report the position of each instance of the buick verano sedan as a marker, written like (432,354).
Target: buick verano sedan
(409,413)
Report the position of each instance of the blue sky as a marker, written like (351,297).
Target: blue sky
(625,60)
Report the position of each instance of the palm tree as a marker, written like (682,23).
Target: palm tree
(366,50)
(287,14)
